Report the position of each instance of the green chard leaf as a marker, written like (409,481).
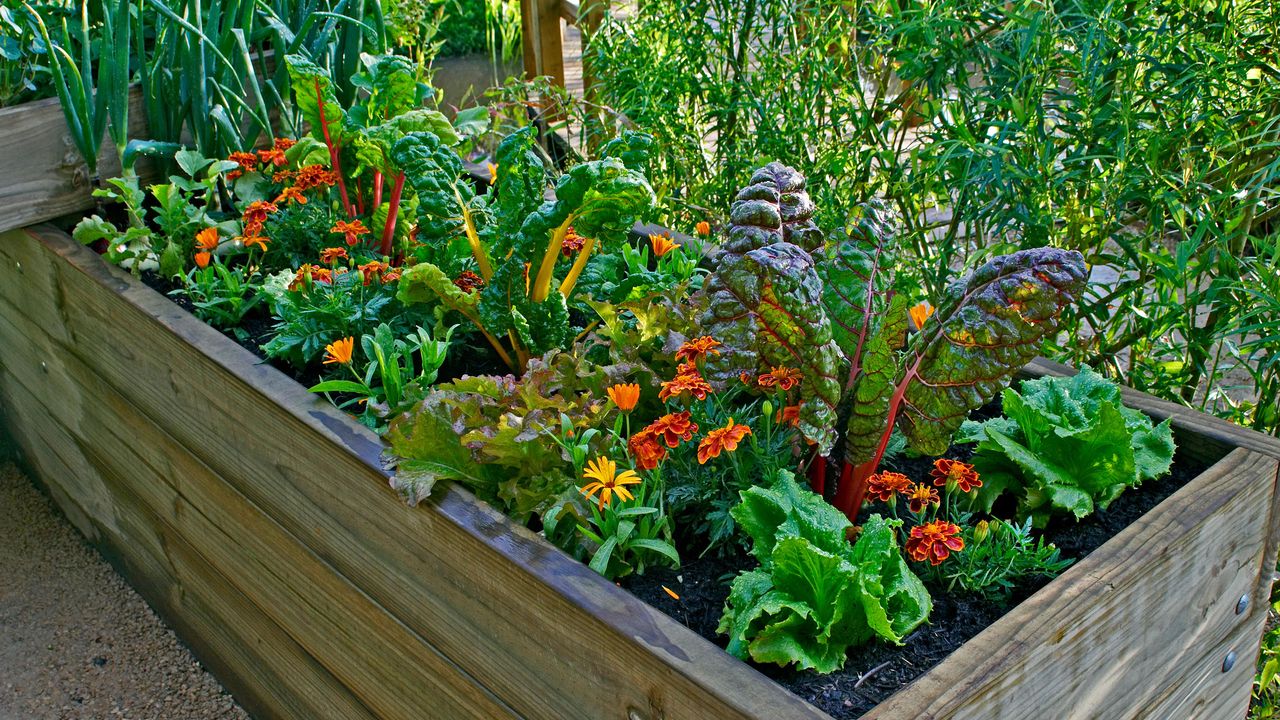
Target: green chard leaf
(434,172)
(313,91)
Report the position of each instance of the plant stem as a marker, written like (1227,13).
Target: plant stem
(389,232)
(542,284)
(579,263)
(334,163)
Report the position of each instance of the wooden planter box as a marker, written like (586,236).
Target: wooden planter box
(257,520)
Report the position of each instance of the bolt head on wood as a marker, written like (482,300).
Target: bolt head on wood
(1229,661)
(1242,604)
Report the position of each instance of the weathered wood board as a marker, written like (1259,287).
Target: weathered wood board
(257,520)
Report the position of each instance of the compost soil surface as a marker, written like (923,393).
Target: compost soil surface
(878,670)
(76,642)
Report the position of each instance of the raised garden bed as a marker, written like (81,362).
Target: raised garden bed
(257,519)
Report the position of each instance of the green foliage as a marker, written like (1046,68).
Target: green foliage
(997,556)
(24,57)
(221,296)
(627,537)
(814,596)
(1066,445)
(1266,686)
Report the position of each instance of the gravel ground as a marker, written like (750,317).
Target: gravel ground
(76,642)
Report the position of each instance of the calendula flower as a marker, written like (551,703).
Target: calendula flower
(661,244)
(253,240)
(468,282)
(672,428)
(646,449)
(202,259)
(920,313)
(329,256)
(246,160)
(781,377)
(933,541)
(723,439)
(493,173)
(573,242)
(606,480)
(339,351)
(207,239)
(788,415)
(886,485)
(291,194)
(372,270)
(624,395)
(703,228)
(921,496)
(694,350)
(953,473)
(351,230)
(685,382)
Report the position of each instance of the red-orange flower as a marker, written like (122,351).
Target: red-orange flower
(673,428)
(255,216)
(703,228)
(468,282)
(788,415)
(391,276)
(252,240)
(694,350)
(723,439)
(573,242)
(291,194)
(246,160)
(661,244)
(329,256)
(339,351)
(309,273)
(207,239)
(624,395)
(921,496)
(313,176)
(280,177)
(373,269)
(691,383)
(350,229)
(885,485)
(202,259)
(934,541)
(782,377)
(272,156)
(946,471)
(646,449)
(282,144)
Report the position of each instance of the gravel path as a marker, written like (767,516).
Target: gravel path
(76,642)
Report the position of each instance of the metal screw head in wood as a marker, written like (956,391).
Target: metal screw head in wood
(17,266)
(1242,604)
(1229,661)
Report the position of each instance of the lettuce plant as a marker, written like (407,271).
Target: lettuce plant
(1066,446)
(516,238)
(781,295)
(814,595)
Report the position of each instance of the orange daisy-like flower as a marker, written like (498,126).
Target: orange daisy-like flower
(468,282)
(373,269)
(255,216)
(921,496)
(723,439)
(885,485)
(246,160)
(202,259)
(351,230)
(934,541)
(624,395)
(606,480)
(673,428)
(646,449)
(329,256)
(945,472)
(782,377)
(207,239)
(920,313)
(291,194)
(661,244)
(339,351)
(703,228)
(573,242)
(694,350)
(745,377)
(253,240)
(789,415)
(280,177)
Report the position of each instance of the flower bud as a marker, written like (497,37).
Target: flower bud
(980,531)
(767,409)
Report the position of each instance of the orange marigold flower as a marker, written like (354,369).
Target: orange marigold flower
(646,449)
(782,377)
(468,282)
(202,259)
(313,176)
(273,156)
(789,415)
(283,176)
(291,194)
(934,541)
(373,269)
(920,313)
(257,212)
(673,428)
(573,242)
(885,485)
(207,239)
(945,472)
(253,240)
(745,377)
(329,256)
(391,276)
(283,144)
(607,481)
(661,244)
(723,439)
(246,160)
(308,274)
(351,230)
(703,228)
(921,496)
(339,351)
(697,348)
(685,382)
(624,395)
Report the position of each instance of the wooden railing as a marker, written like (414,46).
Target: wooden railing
(543,37)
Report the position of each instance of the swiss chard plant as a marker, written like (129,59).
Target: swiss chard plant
(1066,446)
(525,252)
(814,595)
(782,295)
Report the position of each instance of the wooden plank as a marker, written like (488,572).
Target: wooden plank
(1128,626)
(542,631)
(390,668)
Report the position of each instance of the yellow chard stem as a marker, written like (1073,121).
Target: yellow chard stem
(473,238)
(584,255)
(542,284)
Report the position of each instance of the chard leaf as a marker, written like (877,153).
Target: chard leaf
(426,283)
(434,172)
(313,92)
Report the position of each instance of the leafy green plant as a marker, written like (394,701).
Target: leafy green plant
(628,536)
(24,57)
(815,596)
(1066,445)
(221,296)
(997,556)
(781,297)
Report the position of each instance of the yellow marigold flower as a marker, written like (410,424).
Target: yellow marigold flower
(723,439)
(920,313)
(207,239)
(606,480)
(339,351)
(661,244)
(625,395)
(694,350)
(703,228)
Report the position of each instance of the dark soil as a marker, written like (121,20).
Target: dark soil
(876,671)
